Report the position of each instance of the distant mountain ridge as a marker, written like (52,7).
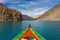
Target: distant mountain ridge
(52,14)
(25,17)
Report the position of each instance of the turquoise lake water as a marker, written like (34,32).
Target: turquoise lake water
(50,30)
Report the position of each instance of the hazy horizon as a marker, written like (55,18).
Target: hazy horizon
(30,7)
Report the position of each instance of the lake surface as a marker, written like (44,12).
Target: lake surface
(50,30)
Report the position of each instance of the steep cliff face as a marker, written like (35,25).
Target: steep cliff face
(14,15)
(3,9)
(7,14)
(53,14)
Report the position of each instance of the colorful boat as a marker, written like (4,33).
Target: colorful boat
(29,34)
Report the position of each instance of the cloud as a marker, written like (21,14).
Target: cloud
(25,5)
(2,1)
(34,12)
(30,7)
(47,1)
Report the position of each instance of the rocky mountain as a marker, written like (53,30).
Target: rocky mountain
(52,14)
(7,14)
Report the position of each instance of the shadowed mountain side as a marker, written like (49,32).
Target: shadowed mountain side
(52,14)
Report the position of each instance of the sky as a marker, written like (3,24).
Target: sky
(32,8)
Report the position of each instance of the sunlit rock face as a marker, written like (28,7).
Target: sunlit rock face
(7,14)
(14,15)
(52,14)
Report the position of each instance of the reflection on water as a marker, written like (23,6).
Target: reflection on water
(50,30)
